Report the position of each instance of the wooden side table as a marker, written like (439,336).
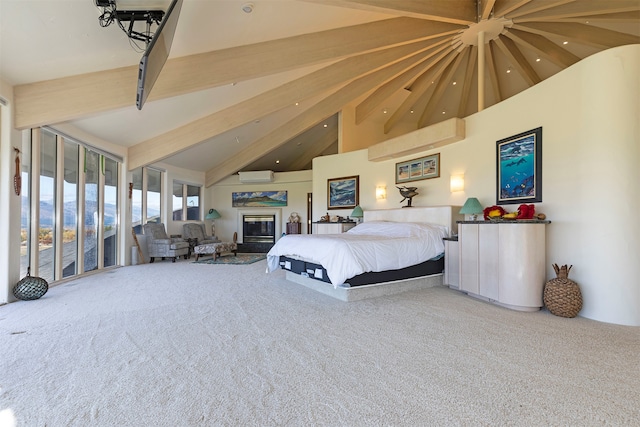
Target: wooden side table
(293,228)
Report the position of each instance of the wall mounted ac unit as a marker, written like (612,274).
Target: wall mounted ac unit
(256,176)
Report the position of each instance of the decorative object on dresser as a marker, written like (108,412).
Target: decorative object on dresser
(343,193)
(408,193)
(30,287)
(519,174)
(562,295)
(423,168)
(471,207)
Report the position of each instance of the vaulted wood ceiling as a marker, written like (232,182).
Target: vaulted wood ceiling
(420,65)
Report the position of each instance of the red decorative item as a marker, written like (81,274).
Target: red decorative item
(493,212)
(526,211)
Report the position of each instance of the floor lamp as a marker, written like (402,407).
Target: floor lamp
(213,215)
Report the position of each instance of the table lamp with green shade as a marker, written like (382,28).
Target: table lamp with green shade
(472,207)
(357,213)
(212,215)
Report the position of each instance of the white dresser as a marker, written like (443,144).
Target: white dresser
(503,262)
(332,227)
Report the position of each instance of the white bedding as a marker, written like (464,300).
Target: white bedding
(371,246)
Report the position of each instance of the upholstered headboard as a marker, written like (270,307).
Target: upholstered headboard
(441,215)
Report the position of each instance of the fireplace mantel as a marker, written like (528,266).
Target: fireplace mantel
(277,212)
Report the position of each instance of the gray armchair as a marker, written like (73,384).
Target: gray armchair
(161,245)
(195,230)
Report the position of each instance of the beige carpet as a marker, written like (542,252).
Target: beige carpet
(186,344)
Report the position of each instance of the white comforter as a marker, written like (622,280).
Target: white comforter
(371,246)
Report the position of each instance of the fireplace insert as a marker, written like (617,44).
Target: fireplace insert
(259,229)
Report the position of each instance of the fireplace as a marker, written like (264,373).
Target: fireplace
(259,229)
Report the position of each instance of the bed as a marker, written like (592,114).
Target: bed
(390,247)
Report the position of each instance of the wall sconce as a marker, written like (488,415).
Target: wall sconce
(456,183)
(381,192)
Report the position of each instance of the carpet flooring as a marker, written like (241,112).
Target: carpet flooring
(184,344)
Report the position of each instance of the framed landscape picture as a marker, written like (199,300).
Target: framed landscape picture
(262,199)
(519,168)
(343,193)
(417,169)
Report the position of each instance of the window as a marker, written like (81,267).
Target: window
(146,197)
(186,201)
(69,218)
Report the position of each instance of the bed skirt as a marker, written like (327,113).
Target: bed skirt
(318,272)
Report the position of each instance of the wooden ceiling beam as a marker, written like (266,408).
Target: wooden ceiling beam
(468,80)
(493,72)
(420,87)
(582,8)
(504,7)
(517,59)
(536,6)
(303,121)
(373,101)
(462,12)
(543,47)
(444,82)
(73,97)
(313,84)
(486,7)
(579,33)
(633,16)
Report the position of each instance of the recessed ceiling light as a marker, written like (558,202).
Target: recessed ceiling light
(411,111)
(444,112)
(508,70)
(538,59)
(325,125)
(455,83)
(277,161)
(384,111)
(297,103)
(565,42)
(247,7)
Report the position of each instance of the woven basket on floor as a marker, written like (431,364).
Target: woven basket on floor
(562,295)
(30,287)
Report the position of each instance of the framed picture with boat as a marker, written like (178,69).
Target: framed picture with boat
(343,193)
(519,168)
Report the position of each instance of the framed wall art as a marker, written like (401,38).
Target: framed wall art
(262,199)
(417,169)
(519,168)
(343,193)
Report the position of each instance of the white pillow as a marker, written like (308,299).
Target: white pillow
(399,229)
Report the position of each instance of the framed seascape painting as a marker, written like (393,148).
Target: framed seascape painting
(343,193)
(519,168)
(262,199)
(417,169)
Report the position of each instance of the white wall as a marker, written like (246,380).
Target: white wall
(297,185)
(591,147)
(9,201)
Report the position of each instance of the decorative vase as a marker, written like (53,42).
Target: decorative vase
(30,287)
(562,295)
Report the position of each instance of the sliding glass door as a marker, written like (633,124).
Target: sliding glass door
(74,194)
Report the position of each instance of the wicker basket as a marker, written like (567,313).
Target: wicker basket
(30,288)
(562,295)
